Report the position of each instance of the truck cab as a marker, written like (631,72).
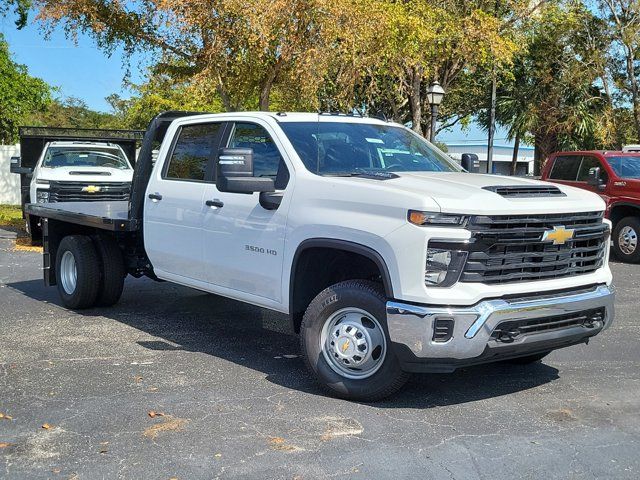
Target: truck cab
(615,176)
(387,256)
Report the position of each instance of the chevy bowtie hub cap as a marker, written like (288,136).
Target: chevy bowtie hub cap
(628,240)
(353,343)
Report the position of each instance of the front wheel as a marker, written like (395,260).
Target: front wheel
(345,342)
(625,240)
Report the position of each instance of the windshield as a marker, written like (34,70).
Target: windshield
(85,156)
(339,148)
(625,167)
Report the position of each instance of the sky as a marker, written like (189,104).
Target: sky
(82,70)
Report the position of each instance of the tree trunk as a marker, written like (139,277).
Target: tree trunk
(265,93)
(545,144)
(415,103)
(267,83)
(514,158)
(226,101)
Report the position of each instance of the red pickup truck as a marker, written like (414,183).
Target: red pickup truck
(615,176)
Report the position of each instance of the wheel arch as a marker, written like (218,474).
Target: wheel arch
(357,253)
(620,210)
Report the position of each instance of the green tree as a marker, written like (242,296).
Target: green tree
(21,95)
(20,9)
(623,20)
(551,94)
(72,112)
(249,51)
(459,43)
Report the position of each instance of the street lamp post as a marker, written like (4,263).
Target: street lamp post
(435,93)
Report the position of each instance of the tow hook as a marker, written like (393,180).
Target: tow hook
(508,336)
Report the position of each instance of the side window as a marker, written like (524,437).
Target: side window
(587,164)
(192,151)
(565,168)
(266,157)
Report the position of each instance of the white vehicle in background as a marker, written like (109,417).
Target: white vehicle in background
(81,171)
(73,165)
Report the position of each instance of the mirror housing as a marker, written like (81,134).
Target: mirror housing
(470,162)
(234,172)
(16,167)
(594,178)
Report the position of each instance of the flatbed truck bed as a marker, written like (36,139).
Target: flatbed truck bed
(111,215)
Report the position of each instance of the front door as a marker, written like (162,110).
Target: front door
(175,205)
(244,242)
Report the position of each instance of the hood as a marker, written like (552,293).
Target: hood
(85,174)
(461,192)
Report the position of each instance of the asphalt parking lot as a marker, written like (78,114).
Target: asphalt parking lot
(232,398)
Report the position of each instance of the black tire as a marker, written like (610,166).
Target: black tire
(619,249)
(88,272)
(112,271)
(528,359)
(364,295)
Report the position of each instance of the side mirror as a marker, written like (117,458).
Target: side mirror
(16,167)
(234,172)
(470,162)
(594,178)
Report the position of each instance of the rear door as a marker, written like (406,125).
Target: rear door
(565,169)
(174,205)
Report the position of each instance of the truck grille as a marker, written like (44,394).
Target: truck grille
(508,331)
(509,248)
(87,192)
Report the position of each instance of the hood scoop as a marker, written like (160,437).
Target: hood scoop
(526,191)
(79,172)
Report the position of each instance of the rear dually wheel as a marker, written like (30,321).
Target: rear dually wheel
(77,272)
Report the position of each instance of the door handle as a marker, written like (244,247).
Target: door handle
(155,197)
(214,203)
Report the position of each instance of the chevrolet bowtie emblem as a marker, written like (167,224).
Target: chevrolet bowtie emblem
(558,235)
(345,345)
(91,189)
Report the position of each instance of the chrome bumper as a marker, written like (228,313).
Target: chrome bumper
(412,325)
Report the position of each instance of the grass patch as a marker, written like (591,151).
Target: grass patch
(11,216)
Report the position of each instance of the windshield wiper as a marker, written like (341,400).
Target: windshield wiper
(375,174)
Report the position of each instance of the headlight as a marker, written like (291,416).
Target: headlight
(42,196)
(41,182)
(443,266)
(436,219)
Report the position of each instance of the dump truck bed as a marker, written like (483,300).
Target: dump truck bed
(112,216)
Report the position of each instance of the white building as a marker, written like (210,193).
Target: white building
(9,182)
(502,155)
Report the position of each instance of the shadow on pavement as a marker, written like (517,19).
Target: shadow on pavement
(187,320)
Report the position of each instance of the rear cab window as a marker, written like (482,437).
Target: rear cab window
(565,167)
(193,152)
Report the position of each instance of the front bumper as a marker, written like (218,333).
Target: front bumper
(474,329)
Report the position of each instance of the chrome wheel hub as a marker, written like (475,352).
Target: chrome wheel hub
(353,343)
(628,240)
(68,272)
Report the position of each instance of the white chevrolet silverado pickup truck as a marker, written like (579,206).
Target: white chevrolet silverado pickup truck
(387,256)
